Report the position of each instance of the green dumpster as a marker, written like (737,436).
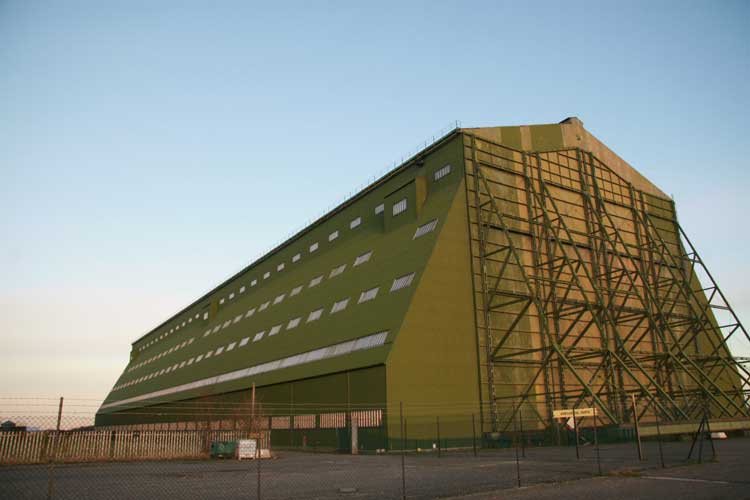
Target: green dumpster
(223,449)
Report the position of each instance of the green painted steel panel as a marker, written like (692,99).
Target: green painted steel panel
(394,253)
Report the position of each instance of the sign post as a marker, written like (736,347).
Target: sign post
(576,413)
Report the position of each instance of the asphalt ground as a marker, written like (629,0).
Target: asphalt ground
(550,472)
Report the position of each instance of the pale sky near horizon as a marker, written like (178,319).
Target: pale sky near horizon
(148,150)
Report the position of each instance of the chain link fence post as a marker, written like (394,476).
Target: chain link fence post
(53,456)
(706,417)
(520,425)
(637,430)
(515,442)
(474,434)
(575,428)
(439,444)
(596,443)
(403,450)
(658,436)
(258,457)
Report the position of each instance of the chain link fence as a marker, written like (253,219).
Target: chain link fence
(51,449)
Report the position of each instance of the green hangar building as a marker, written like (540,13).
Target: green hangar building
(499,272)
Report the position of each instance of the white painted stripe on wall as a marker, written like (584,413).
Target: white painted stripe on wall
(334,350)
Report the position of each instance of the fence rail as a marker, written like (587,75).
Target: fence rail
(24,447)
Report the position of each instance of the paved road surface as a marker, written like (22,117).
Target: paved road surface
(544,472)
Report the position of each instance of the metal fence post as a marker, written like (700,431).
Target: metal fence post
(406,434)
(403,450)
(658,438)
(520,426)
(708,429)
(474,434)
(55,444)
(515,441)
(596,444)
(575,428)
(637,430)
(257,459)
(439,445)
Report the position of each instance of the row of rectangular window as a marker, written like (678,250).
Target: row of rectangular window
(280,267)
(319,354)
(398,208)
(364,418)
(312,248)
(172,330)
(340,420)
(361,259)
(398,284)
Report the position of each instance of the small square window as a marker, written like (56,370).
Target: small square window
(219,351)
(315,315)
(244,341)
(368,295)
(333,235)
(363,258)
(379,209)
(231,296)
(337,270)
(242,289)
(339,306)
(316,281)
(355,222)
(250,312)
(442,172)
(296,257)
(313,247)
(295,291)
(237,318)
(264,306)
(231,346)
(280,267)
(402,282)
(293,323)
(279,298)
(266,275)
(425,228)
(276,329)
(253,282)
(221,301)
(399,207)
(258,336)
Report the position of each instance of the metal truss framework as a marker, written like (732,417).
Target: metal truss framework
(588,293)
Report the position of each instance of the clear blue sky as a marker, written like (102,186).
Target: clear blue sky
(150,149)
